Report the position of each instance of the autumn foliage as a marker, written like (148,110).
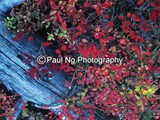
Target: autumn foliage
(127,29)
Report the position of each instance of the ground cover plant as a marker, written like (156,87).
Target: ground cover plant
(127,29)
(7,108)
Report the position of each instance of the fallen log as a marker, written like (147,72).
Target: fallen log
(12,69)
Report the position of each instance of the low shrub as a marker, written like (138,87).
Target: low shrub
(127,29)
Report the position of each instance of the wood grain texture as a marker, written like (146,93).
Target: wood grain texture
(12,69)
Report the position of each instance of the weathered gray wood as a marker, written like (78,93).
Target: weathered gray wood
(11,49)
(12,68)
(5,5)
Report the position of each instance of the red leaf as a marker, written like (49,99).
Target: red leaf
(128,14)
(37,76)
(76,35)
(94,50)
(72,1)
(67,84)
(58,51)
(121,17)
(64,47)
(158,70)
(98,10)
(119,75)
(123,41)
(131,62)
(153,15)
(98,28)
(115,68)
(107,4)
(106,16)
(103,41)
(132,34)
(19,36)
(110,24)
(159,52)
(45,44)
(64,25)
(27,56)
(30,38)
(148,82)
(10,118)
(50,75)
(135,49)
(91,51)
(51,2)
(23,106)
(85,53)
(137,19)
(59,17)
(140,2)
(134,16)
(152,68)
(86,4)
(126,73)
(40,2)
(80,74)
(148,53)
(91,116)
(141,39)
(32,73)
(110,38)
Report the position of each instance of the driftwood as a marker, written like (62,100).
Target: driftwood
(12,69)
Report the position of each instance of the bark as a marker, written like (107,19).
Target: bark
(12,69)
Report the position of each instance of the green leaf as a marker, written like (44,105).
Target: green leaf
(61,35)
(36,14)
(8,18)
(64,32)
(14,27)
(139,103)
(25,113)
(65,36)
(57,30)
(137,89)
(50,37)
(48,24)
